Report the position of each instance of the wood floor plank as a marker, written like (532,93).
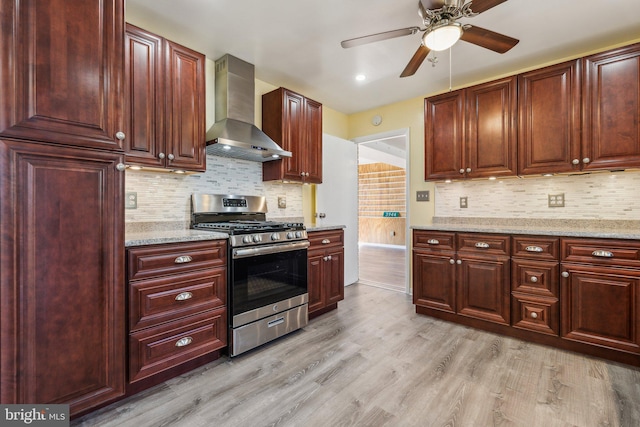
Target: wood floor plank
(375,362)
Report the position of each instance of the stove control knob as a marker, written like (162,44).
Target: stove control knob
(299,234)
(257,238)
(275,236)
(246,239)
(290,235)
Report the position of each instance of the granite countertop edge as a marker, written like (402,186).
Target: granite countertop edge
(324,227)
(170,236)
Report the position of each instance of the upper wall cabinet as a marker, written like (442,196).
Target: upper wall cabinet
(611,109)
(549,120)
(295,123)
(471,132)
(62,83)
(165,103)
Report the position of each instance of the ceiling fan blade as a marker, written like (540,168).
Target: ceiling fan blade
(488,39)
(479,6)
(379,37)
(416,61)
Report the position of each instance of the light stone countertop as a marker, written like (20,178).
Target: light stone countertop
(567,228)
(148,234)
(323,227)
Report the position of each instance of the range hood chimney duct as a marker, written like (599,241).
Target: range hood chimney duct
(234,134)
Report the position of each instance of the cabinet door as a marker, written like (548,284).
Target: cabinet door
(313,142)
(434,280)
(611,129)
(184,108)
(292,132)
(484,288)
(61,77)
(63,332)
(144,103)
(491,111)
(549,119)
(334,276)
(600,306)
(444,136)
(315,280)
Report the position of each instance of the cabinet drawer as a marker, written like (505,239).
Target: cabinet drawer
(491,244)
(537,314)
(324,239)
(535,277)
(434,240)
(159,300)
(536,247)
(156,349)
(602,252)
(158,260)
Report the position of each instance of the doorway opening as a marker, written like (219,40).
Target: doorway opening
(382,210)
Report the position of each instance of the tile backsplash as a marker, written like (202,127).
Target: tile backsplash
(610,196)
(164,197)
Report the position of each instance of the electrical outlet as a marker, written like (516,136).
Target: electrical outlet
(556,200)
(463,202)
(422,196)
(131,200)
(282,202)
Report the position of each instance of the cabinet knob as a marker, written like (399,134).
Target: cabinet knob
(565,274)
(161,155)
(452,261)
(120,167)
(458,262)
(461,170)
(329,257)
(575,162)
(171,157)
(468,170)
(302,174)
(306,174)
(184,341)
(120,135)
(534,315)
(586,160)
(534,279)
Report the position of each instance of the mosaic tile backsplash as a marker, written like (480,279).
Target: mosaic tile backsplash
(610,196)
(165,197)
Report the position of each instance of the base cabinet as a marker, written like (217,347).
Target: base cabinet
(325,271)
(579,294)
(177,307)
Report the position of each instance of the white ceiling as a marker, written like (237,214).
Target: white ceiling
(296,43)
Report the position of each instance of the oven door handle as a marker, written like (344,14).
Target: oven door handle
(269,249)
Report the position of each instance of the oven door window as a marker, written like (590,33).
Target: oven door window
(263,280)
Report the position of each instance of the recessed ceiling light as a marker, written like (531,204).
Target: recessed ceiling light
(361,77)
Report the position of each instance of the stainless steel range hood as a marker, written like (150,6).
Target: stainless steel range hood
(234,134)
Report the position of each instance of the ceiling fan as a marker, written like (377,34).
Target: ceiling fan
(441,30)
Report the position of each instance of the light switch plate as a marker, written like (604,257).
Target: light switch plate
(422,196)
(131,200)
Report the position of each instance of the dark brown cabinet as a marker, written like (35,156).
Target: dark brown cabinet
(535,274)
(600,293)
(549,103)
(62,334)
(165,103)
(295,123)
(434,278)
(611,109)
(177,308)
(325,271)
(63,328)
(62,83)
(471,133)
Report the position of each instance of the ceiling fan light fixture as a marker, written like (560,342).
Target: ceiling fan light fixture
(443,36)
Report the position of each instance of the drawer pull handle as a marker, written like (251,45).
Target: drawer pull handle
(433,241)
(534,249)
(326,241)
(534,279)
(184,341)
(183,259)
(183,296)
(482,245)
(275,322)
(534,315)
(602,254)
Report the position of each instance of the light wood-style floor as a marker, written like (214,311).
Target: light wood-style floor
(382,266)
(374,362)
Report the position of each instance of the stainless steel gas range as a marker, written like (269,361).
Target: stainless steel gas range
(267,270)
